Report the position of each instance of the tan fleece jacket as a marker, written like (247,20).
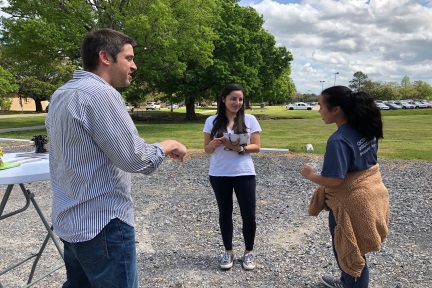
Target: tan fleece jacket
(361,208)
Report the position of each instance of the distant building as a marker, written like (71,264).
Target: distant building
(24,104)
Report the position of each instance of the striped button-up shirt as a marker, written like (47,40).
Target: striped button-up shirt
(93,148)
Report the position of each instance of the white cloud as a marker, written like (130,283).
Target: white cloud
(385,39)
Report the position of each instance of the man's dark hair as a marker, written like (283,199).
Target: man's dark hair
(105,39)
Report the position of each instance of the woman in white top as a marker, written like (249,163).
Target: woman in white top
(232,169)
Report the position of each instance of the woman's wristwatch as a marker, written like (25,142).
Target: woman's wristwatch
(242,150)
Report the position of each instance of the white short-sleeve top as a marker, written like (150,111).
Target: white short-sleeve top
(230,163)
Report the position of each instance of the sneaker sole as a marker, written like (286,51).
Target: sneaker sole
(248,268)
(326,284)
(228,266)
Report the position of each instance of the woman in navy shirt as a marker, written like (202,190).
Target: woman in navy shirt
(352,148)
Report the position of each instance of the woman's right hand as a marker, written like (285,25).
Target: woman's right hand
(216,142)
(307,171)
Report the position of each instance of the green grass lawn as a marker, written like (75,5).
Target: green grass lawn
(407,133)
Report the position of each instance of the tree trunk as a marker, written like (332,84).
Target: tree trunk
(38,105)
(190,109)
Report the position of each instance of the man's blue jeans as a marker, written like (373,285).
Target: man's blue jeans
(108,260)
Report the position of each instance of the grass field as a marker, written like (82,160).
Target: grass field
(407,133)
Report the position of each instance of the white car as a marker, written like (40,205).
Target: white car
(298,106)
(213,103)
(174,106)
(417,104)
(382,106)
(129,108)
(153,106)
(405,105)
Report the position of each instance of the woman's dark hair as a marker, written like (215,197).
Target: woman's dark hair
(107,40)
(220,123)
(359,107)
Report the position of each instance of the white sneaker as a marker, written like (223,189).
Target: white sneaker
(249,261)
(227,260)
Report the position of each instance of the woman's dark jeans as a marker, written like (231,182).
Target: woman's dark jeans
(350,282)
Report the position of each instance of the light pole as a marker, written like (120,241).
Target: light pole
(335,79)
(322,83)
(307,95)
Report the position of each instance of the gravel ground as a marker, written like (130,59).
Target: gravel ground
(179,241)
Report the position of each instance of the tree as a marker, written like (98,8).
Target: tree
(389,91)
(7,86)
(186,49)
(246,54)
(358,81)
(282,89)
(41,44)
(7,83)
(424,89)
(405,87)
(177,45)
(169,33)
(373,88)
(42,32)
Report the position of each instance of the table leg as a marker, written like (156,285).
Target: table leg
(53,237)
(6,198)
(30,197)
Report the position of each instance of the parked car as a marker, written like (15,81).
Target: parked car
(129,108)
(153,106)
(417,104)
(298,106)
(405,105)
(382,106)
(393,106)
(174,106)
(213,103)
(427,103)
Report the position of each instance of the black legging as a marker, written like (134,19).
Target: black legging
(245,190)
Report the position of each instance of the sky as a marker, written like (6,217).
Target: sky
(384,39)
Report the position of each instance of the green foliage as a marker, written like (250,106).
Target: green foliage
(44,31)
(8,86)
(246,54)
(175,46)
(358,81)
(41,46)
(7,83)
(392,90)
(5,103)
(424,90)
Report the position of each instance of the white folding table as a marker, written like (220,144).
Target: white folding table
(33,167)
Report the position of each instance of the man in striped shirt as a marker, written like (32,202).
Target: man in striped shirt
(94,147)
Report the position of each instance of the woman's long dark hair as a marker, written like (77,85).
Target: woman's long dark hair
(359,107)
(220,123)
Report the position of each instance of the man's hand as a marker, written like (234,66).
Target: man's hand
(174,149)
